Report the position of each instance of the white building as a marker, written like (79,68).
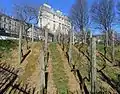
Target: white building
(9,24)
(59,23)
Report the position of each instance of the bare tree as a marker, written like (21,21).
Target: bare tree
(26,14)
(2,11)
(118,10)
(103,14)
(79,17)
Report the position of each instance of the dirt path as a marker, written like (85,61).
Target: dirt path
(73,84)
(30,68)
(35,77)
(51,86)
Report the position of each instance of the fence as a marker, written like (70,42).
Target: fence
(9,82)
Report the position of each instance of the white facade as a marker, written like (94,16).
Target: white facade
(9,24)
(58,22)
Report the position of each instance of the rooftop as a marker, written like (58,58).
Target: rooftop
(51,10)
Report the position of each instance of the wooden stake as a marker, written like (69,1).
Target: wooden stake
(32,33)
(70,48)
(20,44)
(93,66)
(46,47)
(113,47)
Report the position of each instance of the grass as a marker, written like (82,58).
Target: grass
(100,47)
(111,71)
(80,61)
(59,76)
(6,46)
(32,60)
(117,53)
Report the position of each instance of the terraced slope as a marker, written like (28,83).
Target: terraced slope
(73,83)
(60,77)
(30,68)
(107,78)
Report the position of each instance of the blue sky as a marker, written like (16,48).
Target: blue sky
(63,5)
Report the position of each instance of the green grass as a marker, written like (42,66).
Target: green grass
(100,47)
(81,61)
(6,46)
(59,76)
(111,71)
(32,60)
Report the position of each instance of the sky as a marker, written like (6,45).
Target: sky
(63,5)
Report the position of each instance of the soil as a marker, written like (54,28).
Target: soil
(34,79)
(73,83)
(51,86)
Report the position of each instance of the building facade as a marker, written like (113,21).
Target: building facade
(9,25)
(58,22)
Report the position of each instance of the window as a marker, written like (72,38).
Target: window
(60,26)
(54,16)
(15,29)
(9,27)
(9,21)
(4,25)
(4,19)
(41,13)
(0,25)
(15,23)
(53,26)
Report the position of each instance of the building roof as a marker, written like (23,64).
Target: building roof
(49,9)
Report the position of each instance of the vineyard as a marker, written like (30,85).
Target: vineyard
(63,77)
(44,51)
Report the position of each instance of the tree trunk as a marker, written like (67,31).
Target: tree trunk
(73,38)
(113,47)
(32,33)
(63,42)
(83,36)
(70,48)
(106,38)
(106,43)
